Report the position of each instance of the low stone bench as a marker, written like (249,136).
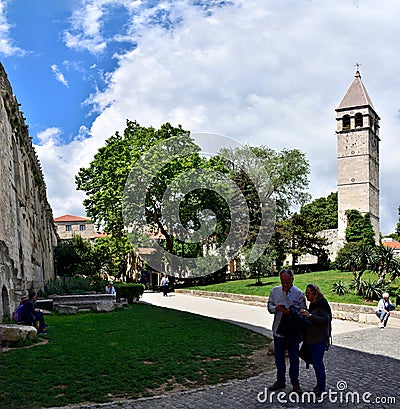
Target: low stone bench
(44,304)
(15,332)
(92,302)
(67,309)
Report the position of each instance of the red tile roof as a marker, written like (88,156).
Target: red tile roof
(99,234)
(70,218)
(392,244)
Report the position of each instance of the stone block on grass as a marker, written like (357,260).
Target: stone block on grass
(67,309)
(16,332)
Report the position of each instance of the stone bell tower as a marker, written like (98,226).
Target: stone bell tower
(358,156)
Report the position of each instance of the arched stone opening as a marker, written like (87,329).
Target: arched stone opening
(5,302)
(346,122)
(358,120)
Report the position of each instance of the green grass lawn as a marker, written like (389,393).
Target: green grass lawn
(323,279)
(129,353)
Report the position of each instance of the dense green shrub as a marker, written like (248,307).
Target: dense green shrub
(75,257)
(69,285)
(359,229)
(130,291)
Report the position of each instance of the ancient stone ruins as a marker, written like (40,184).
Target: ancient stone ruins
(27,232)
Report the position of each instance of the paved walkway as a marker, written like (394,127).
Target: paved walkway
(362,367)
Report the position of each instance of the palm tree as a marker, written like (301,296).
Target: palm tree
(395,269)
(383,262)
(360,259)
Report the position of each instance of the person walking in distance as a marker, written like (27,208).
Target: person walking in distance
(164,285)
(280,299)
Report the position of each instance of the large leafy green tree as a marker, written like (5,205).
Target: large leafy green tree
(109,254)
(74,257)
(283,178)
(104,180)
(301,239)
(359,228)
(299,233)
(322,213)
(288,172)
(286,181)
(106,184)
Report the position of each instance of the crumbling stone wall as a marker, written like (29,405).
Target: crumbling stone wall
(27,231)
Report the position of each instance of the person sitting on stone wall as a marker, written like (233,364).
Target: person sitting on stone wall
(110,288)
(383,310)
(33,317)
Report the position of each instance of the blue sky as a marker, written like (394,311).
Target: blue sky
(53,80)
(263,72)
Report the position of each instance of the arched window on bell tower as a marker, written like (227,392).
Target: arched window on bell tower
(358,120)
(346,122)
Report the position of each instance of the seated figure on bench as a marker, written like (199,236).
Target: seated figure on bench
(31,316)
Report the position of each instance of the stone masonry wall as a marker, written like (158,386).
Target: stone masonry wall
(27,231)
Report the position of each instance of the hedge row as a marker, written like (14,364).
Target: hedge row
(130,291)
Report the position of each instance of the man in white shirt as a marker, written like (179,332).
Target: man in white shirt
(280,299)
(383,310)
(164,284)
(110,288)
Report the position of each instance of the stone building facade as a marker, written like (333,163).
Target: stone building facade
(69,225)
(358,156)
(27,232)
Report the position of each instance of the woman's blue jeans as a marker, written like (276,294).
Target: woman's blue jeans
(317,355)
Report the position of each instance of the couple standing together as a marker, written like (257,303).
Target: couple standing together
(312,326)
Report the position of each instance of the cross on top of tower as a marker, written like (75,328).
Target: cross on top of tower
(357,65)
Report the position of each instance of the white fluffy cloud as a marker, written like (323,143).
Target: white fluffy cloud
(58,75)
(260,71)
(60,164)
(7,47)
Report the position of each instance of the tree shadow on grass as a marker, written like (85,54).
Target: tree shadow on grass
(261,284)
